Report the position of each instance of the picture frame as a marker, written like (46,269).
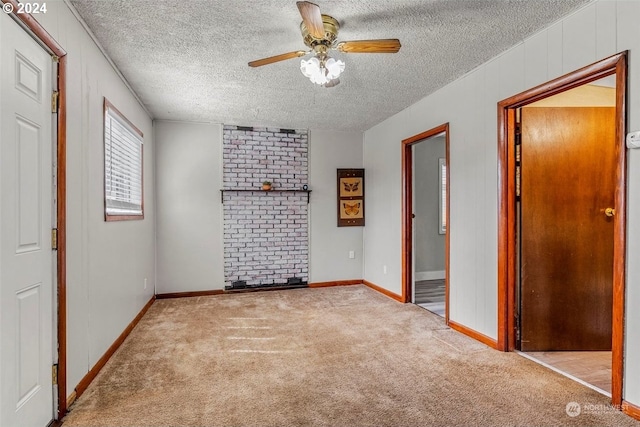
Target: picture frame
(350,197)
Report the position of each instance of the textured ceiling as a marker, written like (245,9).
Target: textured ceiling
(187,59)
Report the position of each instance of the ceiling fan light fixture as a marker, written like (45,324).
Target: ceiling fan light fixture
(320,71)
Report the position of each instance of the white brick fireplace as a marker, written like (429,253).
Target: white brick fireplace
(266,238)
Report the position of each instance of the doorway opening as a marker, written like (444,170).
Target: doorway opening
(564,291)
(562,165)
(425,220)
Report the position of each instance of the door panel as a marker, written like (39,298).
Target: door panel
(28,185)
(29,337)
(567,181)
(26,206)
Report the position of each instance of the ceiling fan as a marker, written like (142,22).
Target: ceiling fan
(320,33)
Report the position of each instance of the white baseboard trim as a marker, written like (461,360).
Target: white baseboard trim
(429,275)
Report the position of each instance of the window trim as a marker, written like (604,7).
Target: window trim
(108,217)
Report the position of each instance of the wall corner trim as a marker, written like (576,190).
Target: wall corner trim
(384,291)
(190,294)
(430,275)
(336,283)
(474,334)
(72,398)
(89,377)
(631,409)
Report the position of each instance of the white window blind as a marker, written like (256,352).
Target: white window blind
(442,196)
(122,165)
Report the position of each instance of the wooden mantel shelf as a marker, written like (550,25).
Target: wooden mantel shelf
(259,190)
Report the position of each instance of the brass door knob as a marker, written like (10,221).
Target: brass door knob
(609,212)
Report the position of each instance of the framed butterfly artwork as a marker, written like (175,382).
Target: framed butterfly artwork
(350,197)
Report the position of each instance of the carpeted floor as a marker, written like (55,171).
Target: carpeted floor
(342,356)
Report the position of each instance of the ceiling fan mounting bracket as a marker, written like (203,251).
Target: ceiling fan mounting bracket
(331,28)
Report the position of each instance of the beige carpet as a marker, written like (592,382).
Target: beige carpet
(342,356)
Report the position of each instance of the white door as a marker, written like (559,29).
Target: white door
(26,257)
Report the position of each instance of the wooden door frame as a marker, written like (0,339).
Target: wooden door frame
(407,212)
(56,49)
(613,65)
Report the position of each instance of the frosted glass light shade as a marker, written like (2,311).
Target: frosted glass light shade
(318,74)
(334,68)
(310,67)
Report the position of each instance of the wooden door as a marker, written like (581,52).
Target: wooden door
(26,218)
(567,183)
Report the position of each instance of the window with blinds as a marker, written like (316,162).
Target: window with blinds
(123,144)
(442,199)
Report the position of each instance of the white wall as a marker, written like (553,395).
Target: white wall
(599,30)
(429,244)
(189,225)
(106,262)
(330,244)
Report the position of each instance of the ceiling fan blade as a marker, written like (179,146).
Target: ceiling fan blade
(370,46)
(277,58)
(312,18)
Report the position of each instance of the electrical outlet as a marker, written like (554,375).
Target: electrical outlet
(145,283)
(384,269)
(352,254)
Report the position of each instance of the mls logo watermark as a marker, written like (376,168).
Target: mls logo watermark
(573,409)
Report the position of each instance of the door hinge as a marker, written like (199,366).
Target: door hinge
(54,374)
(55,58)
(54,101)
(54,239)
(518,180)
(517,328)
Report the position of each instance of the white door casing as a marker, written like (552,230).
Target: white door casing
(26,259)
